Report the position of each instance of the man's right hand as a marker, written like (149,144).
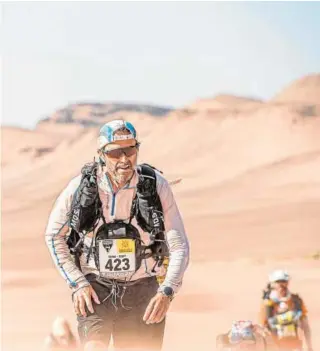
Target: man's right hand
(82,297)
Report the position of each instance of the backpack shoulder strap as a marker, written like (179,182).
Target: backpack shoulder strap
(297,301)
(148,211)
(85,202)
(145,170)
(147,207)
(148,166)
(89,169)
(147,184)
(266,292)
(268,307)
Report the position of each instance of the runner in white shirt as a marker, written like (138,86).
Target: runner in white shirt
(113,281)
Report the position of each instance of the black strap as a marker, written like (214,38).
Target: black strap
(296,299)
(74,243)
(147,185)
(133,210)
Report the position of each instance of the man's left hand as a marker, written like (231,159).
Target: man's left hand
(157,309)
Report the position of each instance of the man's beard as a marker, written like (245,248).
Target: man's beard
(122,179)
(118,177)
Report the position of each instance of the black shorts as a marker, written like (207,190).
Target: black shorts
(126,326)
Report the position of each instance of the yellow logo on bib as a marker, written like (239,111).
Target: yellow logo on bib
(125,246)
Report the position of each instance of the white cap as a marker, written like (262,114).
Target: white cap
(108,130)
(278,275)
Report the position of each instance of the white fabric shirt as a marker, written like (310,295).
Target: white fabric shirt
(117,206)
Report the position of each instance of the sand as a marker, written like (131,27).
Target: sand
(249,196)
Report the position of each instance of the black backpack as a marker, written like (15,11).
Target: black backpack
(86,212)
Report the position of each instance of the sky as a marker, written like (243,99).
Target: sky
(162,53)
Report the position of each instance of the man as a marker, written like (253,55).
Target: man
(284,313)
(122,223)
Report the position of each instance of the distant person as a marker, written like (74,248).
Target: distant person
(284,313)
(120,222)
(61,337)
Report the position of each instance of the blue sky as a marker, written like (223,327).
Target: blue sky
(166,53)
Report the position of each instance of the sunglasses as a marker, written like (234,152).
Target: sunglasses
(281,281)
(117,153)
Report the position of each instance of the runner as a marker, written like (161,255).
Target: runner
(120,221)
(283,313)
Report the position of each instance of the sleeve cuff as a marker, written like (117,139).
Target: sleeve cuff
(75,286)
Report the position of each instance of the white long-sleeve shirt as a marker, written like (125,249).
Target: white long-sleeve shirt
(117,206)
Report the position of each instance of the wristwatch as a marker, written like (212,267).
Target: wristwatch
(167,291)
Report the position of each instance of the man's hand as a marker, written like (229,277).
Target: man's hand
(157,309)
(82,297)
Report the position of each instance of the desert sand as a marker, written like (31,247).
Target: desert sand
(249,196)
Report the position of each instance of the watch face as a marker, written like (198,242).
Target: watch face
(168,291)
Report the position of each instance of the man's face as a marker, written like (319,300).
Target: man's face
(281,287)
(121,159)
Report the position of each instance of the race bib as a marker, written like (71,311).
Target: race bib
(117,257)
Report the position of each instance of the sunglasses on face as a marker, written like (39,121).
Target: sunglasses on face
(117,153)
(281,281)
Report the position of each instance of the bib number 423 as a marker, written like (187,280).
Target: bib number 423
(117,264)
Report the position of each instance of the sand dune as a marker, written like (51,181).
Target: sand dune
(250,197)
(225,102)
(305,90)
